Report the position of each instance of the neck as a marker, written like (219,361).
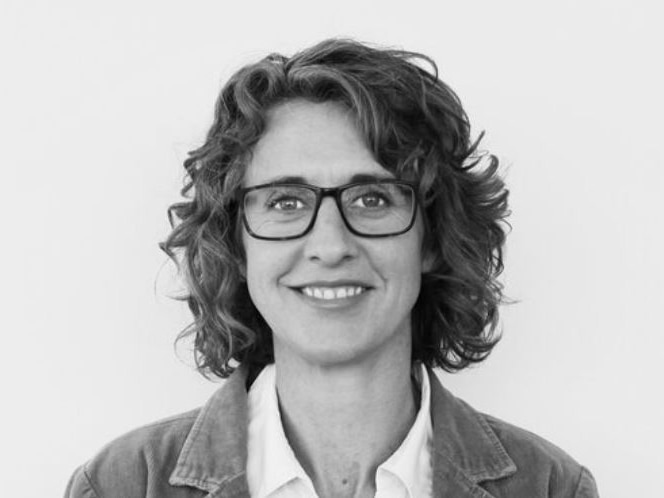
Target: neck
(343,422)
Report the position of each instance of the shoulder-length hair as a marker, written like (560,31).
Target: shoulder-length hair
(416,128)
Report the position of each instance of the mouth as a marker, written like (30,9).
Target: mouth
(328,293)
(332,292)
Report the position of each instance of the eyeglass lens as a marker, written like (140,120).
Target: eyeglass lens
(278,211)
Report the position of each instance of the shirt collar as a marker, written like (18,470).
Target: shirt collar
(213,458)
(412,460)
(267,441)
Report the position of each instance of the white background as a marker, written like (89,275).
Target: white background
(99,103)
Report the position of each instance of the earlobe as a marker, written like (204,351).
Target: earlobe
(428,261)
(242,269)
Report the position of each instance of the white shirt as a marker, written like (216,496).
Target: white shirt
(274,472)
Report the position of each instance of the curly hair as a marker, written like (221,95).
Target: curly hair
(416,128)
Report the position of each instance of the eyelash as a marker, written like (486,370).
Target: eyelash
(272,203)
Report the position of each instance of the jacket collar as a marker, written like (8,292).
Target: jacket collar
(466,451)
(214,455)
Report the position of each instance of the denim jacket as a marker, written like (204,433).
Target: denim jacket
(203,453)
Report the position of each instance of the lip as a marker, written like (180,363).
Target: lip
(333,283)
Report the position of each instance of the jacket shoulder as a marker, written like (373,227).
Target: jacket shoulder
(541,463)
(137,463)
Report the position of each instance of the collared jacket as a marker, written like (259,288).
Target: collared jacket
(203,453)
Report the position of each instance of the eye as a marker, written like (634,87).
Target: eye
(370,200)
(286,204)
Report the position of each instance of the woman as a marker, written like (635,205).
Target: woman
(343,237)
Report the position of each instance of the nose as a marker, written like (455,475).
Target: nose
(329,242)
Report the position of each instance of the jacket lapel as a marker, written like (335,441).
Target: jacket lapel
(214,455)
(466,451)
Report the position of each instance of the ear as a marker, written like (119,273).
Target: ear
(428,260)
(242,268)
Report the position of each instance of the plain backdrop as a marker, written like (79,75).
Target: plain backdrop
(100,102)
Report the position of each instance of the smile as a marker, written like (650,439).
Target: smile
(331,293)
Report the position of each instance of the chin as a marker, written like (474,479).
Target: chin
(336,351)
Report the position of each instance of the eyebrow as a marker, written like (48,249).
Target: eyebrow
(358,178)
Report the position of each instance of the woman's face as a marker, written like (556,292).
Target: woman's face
(320,143)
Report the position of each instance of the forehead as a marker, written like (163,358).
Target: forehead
(319,142)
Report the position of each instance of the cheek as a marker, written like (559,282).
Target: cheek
(256,270)
(257,256)
(409,278)
(266,263)
(406,265)
(401,265)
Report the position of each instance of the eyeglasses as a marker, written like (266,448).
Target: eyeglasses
(284,211)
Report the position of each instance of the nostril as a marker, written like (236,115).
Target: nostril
(330,246)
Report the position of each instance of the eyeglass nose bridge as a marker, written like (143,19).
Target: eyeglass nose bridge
(335,193)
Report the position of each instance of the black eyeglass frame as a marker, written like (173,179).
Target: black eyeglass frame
(335,192)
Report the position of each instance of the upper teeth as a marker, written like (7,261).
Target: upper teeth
(332,292)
